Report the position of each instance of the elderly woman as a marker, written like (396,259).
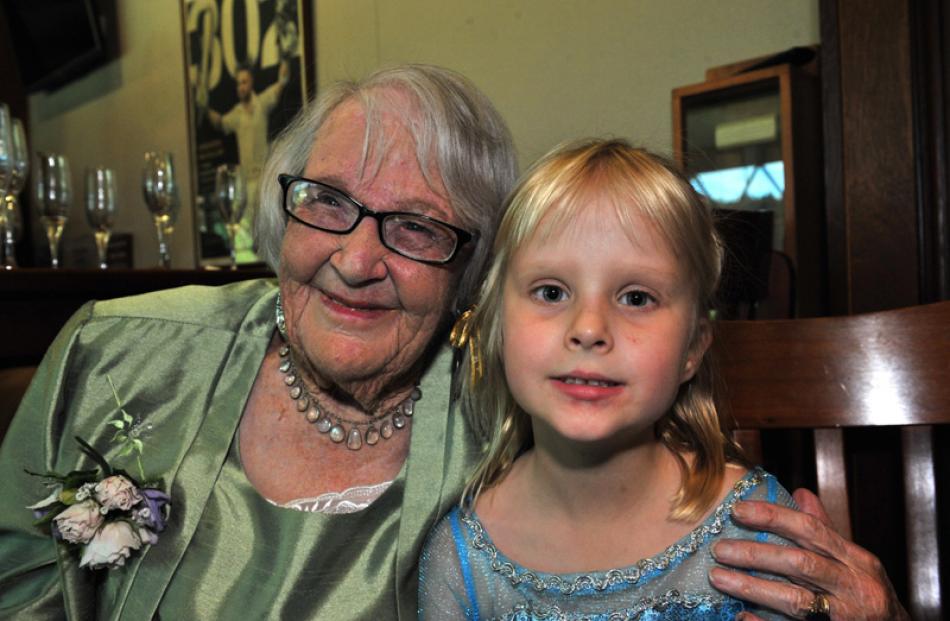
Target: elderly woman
(378,227)
(303,431)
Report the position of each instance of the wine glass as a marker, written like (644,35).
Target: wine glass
(161,197)
(10,206)
(6,164)
(100,207)
(54,192)
(230,195)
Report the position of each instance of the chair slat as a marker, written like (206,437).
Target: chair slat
(920,513)
(751,442)
(832,480)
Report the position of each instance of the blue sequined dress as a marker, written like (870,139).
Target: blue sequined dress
(462,575)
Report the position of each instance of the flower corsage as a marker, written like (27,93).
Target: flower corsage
(106,513)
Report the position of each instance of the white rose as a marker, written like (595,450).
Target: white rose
(111,546)
(117,492)
(78,522)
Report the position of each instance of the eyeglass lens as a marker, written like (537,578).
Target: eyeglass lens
(414,236)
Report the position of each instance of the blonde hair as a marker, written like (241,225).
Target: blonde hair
(551,194)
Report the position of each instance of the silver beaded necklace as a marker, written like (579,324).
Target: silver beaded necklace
(355,432)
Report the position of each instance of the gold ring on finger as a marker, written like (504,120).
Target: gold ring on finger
(819,610)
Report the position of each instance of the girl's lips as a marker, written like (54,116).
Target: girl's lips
(587,388)
(592,380)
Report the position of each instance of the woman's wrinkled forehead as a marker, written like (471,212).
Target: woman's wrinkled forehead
(390,115)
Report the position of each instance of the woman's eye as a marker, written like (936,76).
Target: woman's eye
(328,198)
(411,226)
(550,293)
(636,298)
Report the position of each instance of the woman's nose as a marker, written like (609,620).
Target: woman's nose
(589,329)
(360,254)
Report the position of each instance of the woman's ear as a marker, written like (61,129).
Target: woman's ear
(702,339)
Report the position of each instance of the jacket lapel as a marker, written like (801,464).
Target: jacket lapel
(198,472)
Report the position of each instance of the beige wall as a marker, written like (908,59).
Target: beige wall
(112,116)
(557,69)
(561,69)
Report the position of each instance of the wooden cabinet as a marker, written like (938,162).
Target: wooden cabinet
(37,302)
(752,141)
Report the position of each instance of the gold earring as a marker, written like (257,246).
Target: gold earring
(462,334)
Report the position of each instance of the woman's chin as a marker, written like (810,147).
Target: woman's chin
(355,363)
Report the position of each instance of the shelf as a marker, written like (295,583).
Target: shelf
(37,302)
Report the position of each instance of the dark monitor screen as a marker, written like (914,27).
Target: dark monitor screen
(56,41)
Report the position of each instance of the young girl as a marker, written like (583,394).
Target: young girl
(585,376)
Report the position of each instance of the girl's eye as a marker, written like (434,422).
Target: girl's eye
(550,293)
(636,298)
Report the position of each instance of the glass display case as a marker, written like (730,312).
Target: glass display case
(752,141)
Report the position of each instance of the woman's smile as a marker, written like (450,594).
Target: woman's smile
(354,308)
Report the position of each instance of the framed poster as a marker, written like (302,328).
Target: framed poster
(247,75)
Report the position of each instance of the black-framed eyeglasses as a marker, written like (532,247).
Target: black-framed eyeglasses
(412,235)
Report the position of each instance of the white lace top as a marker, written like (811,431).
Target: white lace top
(349,500)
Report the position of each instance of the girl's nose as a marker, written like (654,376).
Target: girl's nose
(360,254)
(589,329)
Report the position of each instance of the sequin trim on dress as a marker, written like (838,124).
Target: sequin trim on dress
(601,581)
(349,500)
(672,604)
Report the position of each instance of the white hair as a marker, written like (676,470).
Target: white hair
(449,119)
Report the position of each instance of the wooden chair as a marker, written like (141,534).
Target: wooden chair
(884,368)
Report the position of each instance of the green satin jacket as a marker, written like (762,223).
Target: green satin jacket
(183,362)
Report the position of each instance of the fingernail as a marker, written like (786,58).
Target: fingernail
(741,510)
(720,550)
(720,578)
